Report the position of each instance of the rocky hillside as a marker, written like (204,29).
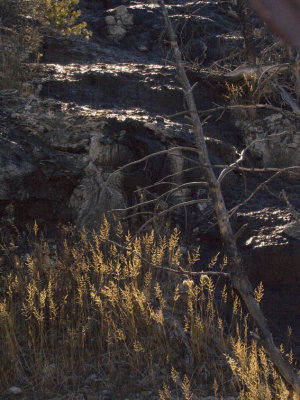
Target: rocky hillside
(95,106)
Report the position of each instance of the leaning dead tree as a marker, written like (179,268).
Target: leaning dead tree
(237,273)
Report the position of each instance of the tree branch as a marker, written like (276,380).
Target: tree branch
(260,186)
(167,193)
(226,170)
(161,213)
(240,106)
(237,274)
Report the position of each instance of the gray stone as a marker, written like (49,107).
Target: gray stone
(275,140)
(120,11)
(127,19)
(15,390)
(143,48)
(117,32)
(292,229)
(110,20)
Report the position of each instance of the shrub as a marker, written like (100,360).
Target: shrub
(61,16)
(22,27)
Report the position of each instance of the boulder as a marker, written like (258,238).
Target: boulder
(119,23)
(276,137)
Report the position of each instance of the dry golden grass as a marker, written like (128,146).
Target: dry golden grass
(90,308)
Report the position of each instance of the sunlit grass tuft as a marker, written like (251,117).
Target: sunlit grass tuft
(90,308)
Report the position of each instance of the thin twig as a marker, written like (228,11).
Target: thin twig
(167,269)
(260,186)
(226,170)
(239,106)
(161,213)
(163,182)
(167,193)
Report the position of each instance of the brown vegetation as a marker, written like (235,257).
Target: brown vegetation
(90,315)
(109,309)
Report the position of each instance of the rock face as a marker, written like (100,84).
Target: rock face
(60,162)
(36,177)
(16,165)
(271,250)
(277,140)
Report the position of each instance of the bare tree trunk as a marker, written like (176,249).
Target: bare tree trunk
(238,276)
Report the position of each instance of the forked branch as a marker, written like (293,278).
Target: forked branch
(237,274)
